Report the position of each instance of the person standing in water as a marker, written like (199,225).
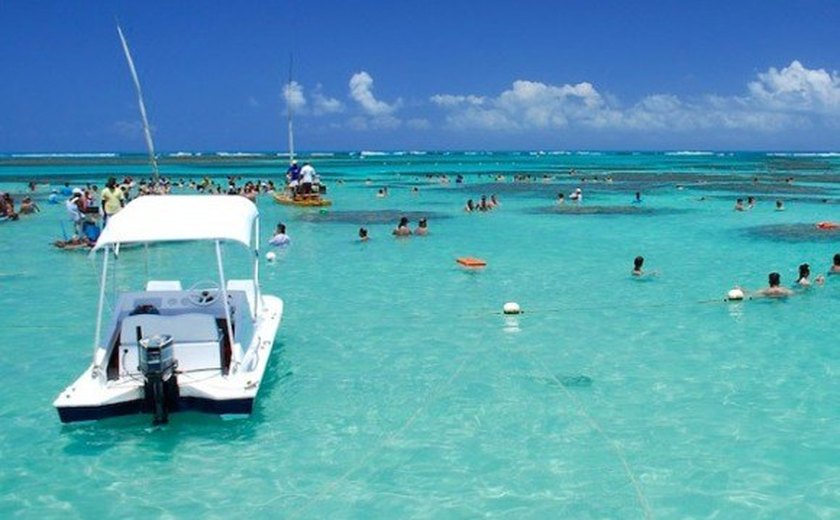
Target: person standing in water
(113,200)
(774,288)
(835,266)
(402,229)
(422,228)
(280,238)
(638,262)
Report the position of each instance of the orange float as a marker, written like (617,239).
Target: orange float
(473,263)
(828,225)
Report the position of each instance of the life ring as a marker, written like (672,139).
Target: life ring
(826,224)
(468,261)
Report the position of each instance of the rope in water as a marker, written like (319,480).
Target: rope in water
(486,312)
(637,488)
(383,441)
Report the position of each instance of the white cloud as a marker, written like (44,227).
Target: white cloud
(449,100)
(252,102)
(792,97)
(798,88)
(323,104)
(361,90)
(293,95)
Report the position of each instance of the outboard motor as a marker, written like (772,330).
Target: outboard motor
(158,364)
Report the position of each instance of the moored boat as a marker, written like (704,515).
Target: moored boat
(168,349)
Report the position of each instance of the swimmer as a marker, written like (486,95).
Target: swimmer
(27,207)
(493,202)
(470,206)
(402,229)
(422,228)
(637,266)
(750,202)
(804,273)
(835,266)
(739,205)
(780,205)
(561,199)
(774,289)
(638,199)
(382,193)
(577,195)
(363,235)
(280,238)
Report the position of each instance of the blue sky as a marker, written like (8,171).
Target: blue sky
(377,75)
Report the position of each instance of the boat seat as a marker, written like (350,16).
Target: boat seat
(164,285)
(195,337)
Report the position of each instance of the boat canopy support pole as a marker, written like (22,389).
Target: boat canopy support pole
(235,350)
(102,282)
(257,292)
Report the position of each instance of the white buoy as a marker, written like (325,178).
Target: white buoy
(271,256)
(511,308)
(735,294)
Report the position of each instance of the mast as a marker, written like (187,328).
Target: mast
(146,130)
(289,114)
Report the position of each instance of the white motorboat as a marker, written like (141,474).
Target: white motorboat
(166,349)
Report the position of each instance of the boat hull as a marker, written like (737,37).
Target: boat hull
(212,392)
(282,198)
(70,414)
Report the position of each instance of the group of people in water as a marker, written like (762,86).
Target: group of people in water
(7,207)
(303,182)
(484,204)
(774,288)
(403,229)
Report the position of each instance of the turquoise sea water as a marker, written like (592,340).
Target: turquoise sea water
(397,389)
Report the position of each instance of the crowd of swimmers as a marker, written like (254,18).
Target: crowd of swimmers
(88,208)
(774,288)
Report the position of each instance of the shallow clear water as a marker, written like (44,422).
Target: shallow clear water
(398,389)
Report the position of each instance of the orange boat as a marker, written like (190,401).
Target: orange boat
(473,263)
(828,225)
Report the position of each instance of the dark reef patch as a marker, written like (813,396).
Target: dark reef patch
(805,232)
(361,217)
(571,209)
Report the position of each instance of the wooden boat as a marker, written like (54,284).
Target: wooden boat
(313,201)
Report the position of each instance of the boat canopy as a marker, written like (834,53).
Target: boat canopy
(168,218)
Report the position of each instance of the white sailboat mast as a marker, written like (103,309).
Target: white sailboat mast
(146,130)
(289,115)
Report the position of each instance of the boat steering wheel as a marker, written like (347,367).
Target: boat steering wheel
(203,293)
